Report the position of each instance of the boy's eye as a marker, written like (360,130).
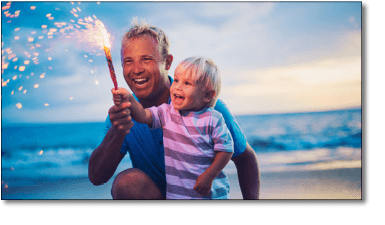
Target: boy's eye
(187,83)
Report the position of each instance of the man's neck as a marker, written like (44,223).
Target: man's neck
(161,98)
(156,101)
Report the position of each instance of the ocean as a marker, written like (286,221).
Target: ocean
(282,142)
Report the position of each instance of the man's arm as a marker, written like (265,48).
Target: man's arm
(106,157)
(248,173)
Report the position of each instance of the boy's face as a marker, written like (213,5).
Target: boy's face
(143,68)
(186,94)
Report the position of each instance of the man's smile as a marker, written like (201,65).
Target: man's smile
(140,81)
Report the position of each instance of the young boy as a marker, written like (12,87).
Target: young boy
(197,142)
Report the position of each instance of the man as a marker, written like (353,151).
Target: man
(146,61)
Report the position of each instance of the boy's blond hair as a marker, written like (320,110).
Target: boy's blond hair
(204,71)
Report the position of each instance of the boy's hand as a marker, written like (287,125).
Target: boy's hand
(120,95)
(203,184)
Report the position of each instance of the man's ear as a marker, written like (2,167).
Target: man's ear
(169,60)
(208,96)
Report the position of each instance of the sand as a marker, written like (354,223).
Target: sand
(319,184)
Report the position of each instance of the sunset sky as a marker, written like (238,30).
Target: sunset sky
(274,57)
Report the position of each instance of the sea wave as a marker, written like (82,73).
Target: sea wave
(304,142)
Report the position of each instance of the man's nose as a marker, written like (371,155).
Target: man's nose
(138,68)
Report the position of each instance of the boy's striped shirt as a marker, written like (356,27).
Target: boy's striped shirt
(191,140)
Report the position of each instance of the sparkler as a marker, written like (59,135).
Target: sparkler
(87,31)
(106,47)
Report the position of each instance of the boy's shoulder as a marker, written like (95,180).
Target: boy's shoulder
(214,113)
(210,114)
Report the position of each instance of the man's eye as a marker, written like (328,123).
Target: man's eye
(147,59)
(127,61)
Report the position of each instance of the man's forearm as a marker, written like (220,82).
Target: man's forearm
(105,158)
(248,173)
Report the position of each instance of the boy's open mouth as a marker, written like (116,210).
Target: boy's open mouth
(178,97)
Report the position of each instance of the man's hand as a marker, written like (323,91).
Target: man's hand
(120,113)
(203,184)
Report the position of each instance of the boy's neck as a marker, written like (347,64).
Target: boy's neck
(200,109)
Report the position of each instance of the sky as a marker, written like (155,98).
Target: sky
(274,57)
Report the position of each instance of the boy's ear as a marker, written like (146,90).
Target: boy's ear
(208,96)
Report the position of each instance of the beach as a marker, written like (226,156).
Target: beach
(300,156)
(319,184)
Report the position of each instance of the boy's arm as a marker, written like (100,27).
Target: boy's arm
(205,180)
(140,114)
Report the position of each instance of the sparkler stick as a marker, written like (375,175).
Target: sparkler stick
(110,66)
(106,46)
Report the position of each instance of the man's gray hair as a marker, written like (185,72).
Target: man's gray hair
(142,29)
(204,71)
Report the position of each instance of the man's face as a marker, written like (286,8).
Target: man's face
(143,68)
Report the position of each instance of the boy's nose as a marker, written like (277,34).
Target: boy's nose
(179,86)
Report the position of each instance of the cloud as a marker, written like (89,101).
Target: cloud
(353,21)
(324,85)
(91,112)
(268,64)
(229,33)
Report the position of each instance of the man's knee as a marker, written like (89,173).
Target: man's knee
(134,184)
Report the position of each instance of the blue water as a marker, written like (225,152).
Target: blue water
(63,150)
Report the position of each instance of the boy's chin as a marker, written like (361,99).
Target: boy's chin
(178,107)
